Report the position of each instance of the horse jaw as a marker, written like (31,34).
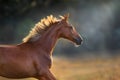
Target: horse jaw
(76,45)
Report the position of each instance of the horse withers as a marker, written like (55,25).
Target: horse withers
(32,58)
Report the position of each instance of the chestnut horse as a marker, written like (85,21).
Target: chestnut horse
(32,58)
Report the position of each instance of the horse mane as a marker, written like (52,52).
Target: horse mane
(41,27)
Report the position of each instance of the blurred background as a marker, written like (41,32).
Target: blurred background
(98,22)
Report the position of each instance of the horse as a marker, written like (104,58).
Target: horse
(33,57)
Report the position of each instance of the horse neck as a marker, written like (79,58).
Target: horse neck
(49,39)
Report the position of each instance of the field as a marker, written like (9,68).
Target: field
(84,69)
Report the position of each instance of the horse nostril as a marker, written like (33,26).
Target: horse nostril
(78,41)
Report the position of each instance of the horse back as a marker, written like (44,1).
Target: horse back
(7,49)
(15,62)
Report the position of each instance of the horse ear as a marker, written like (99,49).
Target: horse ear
(66,16)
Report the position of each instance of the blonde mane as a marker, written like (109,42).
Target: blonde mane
(41,27)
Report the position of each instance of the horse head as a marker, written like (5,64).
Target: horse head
(68,31)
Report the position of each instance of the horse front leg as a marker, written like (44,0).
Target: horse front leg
(47,76)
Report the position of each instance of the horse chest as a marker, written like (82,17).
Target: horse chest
(45,61)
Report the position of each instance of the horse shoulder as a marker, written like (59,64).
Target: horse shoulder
(42,62)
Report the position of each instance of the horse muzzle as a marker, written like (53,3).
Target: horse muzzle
(78,41)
